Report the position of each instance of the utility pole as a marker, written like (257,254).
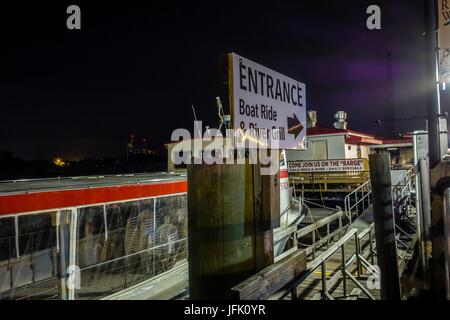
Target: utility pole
(439,167)
(432,81)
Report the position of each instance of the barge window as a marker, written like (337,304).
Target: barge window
(120,261)
(36,233)
(138,246)
(33,273)
(7,239)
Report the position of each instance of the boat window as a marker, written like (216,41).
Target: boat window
(32,274)
(36,232)
(171,231)
(120,261)
(7,241)
(138,246)
(91,240)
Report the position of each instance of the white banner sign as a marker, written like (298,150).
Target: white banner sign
(268,103)
(326,165)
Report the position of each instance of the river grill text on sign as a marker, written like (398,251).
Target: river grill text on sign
(272,105)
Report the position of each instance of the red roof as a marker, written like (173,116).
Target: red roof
(397,141)
(362,140)
(356,137)
(320,130)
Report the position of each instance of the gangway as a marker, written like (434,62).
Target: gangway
(340,250)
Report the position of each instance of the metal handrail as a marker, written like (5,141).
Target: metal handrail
(312,229)
(399,190)
(403,186)
(363,259)
(365,191)
(322,259)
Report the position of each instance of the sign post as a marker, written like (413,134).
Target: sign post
(266,104)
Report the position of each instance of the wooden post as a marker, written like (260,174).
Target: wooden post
(229,226)
(380,175)
(446,225)
(437,260)
(440,181)
(266,208)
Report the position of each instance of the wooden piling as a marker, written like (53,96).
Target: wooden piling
(380,175)
(231,212)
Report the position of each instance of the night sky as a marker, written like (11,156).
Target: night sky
(136,68)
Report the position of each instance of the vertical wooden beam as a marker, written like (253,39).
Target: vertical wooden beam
(230,235)
(446,225)
(266,208)
(440,182)
(380,174)
(437,260)
(204,225)
(431,82)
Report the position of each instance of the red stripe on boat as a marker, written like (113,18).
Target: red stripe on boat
(10,204)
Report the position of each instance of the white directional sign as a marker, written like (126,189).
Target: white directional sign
(265,100)
(444,24)
(444,40)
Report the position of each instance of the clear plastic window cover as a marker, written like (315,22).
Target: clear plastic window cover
(115,247)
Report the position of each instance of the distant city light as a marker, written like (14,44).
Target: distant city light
(59,162)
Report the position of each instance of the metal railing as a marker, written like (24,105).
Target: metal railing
(404,186)
(360,198)
(362,261)
(313,231)
(356,201)
(344,272)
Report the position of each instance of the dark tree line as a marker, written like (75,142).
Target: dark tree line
(15,168)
